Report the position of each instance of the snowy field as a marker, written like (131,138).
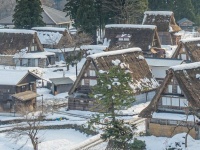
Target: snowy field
(50,140)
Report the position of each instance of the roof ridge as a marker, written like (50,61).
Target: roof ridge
(48,14)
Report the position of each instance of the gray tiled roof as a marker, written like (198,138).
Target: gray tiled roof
(50,16)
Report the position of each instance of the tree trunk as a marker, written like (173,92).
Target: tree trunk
(112,144)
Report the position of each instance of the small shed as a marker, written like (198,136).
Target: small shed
(61,85)
(186,24)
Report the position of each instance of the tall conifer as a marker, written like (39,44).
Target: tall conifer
(28,14)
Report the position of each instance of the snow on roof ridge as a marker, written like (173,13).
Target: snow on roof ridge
(186,66)
(168,13)
(116,52)
(190,40)
(130,26)
(18,31)
(93,47)
(49,29)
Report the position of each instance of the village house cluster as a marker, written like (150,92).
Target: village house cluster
(164,66)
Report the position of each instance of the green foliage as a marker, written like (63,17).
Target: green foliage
(138,144)
(181,8)
(28,14)
(119,131)
(113,90)
(112,93)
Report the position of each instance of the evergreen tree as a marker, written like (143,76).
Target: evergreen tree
(135,10)
(86,18)
(71,8)
(112,93)
(183,9)
(27,14)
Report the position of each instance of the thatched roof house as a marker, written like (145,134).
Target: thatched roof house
(129,35)
(13,40)
(53,37)
(132,58)
(169,106)
(188,49)
(166,25)
(164,20)
(187,77)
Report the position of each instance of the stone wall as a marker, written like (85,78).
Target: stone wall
(7,60)
(168,130)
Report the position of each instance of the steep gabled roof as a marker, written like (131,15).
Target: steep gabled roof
(12,40)
(50,16)
(133,60)
(53,35)
(191,47)
(164,20)
(143,36)
(188,79)
(14,77)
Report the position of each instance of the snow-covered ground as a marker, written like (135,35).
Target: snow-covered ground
(62,139)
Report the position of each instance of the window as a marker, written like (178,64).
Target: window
(170,88)
(92,73)
(183,102)
(175,101)
(166,101)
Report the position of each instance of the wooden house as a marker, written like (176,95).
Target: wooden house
(188,50)
(87,78)
(13,40)
(120,36)
(17,89)
(23,44)
(61,85)
(53,37)
(159,66)
(167,112)
(166,25)
(186,24)
(50,16)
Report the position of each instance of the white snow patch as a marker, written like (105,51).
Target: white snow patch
(130,26)
(117,52)
(116,62)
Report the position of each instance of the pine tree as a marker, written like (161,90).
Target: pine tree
(134,10)
(112,93)
(27,14)
(183,9)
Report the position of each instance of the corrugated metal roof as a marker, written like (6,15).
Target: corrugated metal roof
(60,81)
